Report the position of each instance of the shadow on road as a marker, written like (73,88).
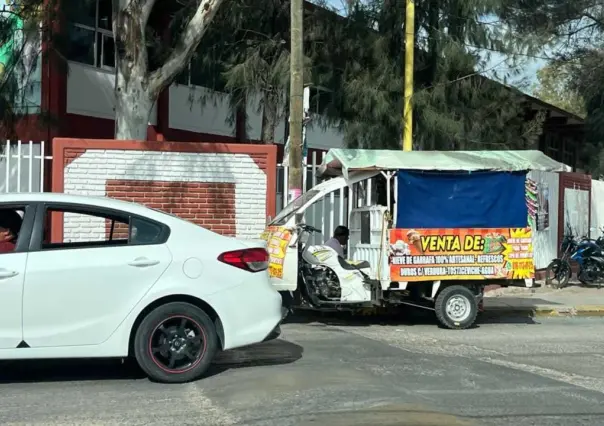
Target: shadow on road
(402,316)
(66,370)
(275,352)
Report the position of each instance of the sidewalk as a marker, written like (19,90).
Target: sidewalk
(544,301)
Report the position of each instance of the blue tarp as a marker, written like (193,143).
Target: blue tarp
(461,200)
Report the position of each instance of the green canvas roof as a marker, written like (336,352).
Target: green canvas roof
(343,161)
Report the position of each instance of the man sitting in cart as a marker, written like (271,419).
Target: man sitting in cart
(339,240)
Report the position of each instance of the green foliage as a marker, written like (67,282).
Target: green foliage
(587,71)
(20,48)
(555,86)
(575,29)
(360,57)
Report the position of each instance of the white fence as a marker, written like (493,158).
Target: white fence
(23,166)
(331,211)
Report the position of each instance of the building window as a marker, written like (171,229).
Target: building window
(568,154)
(201,74)
(319,99)
(90,35)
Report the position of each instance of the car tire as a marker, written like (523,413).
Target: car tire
(456,307)
(162,337)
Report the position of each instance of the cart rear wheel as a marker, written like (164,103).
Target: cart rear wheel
(456,307)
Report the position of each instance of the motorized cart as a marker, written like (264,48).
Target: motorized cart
(448,224)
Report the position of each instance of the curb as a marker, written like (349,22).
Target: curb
(545,311)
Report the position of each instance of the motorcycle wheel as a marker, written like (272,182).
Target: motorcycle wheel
(558,274)
(585,277)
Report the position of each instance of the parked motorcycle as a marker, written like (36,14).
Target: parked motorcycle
(559,271)
(587,252)
(590,258)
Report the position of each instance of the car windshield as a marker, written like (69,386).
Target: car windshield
(292,207)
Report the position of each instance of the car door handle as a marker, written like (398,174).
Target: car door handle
(4,273)
(142,262)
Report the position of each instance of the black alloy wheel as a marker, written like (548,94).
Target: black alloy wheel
(175,343)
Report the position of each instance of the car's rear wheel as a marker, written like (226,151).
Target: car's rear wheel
(456,307)
(175,343)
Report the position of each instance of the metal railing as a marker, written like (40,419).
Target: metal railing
(331,211)
(23,166)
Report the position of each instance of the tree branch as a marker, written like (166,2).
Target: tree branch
(146,8)
(593,18)
(185,47)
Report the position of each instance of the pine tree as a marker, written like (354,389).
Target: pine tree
(359,57)
(574,30)
(455,107)
(254,58)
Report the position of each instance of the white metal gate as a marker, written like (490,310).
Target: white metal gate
(330,212)
(23,166)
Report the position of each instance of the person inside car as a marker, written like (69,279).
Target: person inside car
(10,225)
(339,240)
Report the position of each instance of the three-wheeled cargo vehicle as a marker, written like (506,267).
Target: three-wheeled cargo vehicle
(449,224)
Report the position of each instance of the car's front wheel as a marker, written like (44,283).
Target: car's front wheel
(175,343)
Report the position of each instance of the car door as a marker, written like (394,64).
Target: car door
(78,292)
(12,273)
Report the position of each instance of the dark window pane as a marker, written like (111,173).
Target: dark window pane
(106,50)
(183,77)
(104,14)
(198,75)
(319,100)
(82,12)
(143,232)
(205,73)
(81,45)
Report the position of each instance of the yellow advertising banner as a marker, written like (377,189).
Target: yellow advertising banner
(457,254)
(277,238)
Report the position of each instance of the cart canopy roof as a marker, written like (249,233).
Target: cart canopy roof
(340,162)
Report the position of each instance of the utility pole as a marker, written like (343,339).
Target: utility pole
(296,100)
(409,51)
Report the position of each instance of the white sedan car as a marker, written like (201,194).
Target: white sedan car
(84,277)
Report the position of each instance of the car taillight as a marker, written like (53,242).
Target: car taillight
(253,260)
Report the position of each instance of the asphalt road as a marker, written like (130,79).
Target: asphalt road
(550,373)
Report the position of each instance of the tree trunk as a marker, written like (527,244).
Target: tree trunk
(132,107)
(133,99)
(136,89)
(269,118)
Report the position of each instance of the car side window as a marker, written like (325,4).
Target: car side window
(144,232)
(85,228)
(11,221)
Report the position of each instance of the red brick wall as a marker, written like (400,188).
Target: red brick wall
(211,205)
(166,176)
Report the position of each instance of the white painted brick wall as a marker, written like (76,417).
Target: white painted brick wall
(88,175)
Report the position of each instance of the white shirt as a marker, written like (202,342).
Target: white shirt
(335,244)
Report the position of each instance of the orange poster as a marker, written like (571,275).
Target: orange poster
(277,238)
(461,254)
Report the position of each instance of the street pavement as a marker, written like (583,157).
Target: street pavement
(545,301)
(337,372)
